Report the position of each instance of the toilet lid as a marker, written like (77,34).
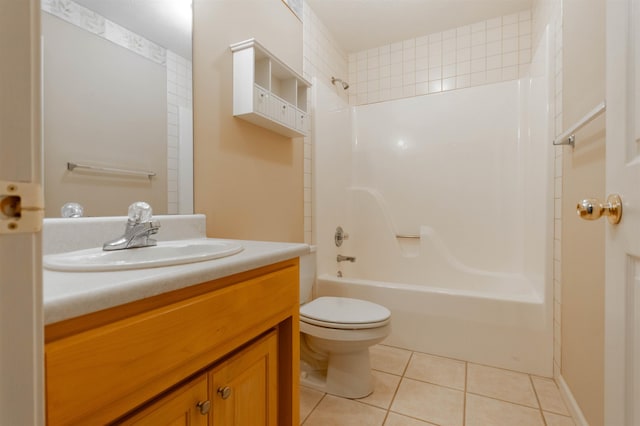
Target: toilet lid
(344,310)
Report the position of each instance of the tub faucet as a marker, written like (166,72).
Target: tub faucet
(137,230)
(342,258)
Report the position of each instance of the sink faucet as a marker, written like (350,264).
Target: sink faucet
(137,230)
(342,258)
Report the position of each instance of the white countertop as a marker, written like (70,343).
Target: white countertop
(71,294)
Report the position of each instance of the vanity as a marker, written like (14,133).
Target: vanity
(209,343)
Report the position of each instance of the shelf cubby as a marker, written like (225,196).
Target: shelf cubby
(267,92)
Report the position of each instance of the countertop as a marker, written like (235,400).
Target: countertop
(71,294)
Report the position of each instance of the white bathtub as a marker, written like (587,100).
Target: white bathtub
(447,202)
(497,328)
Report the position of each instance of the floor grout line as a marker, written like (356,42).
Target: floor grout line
(464,400)
(535,392)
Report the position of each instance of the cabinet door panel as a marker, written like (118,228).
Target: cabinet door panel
(244,388)
(179,408)
(260,100)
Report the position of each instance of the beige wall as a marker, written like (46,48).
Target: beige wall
(582,241)
(248,180)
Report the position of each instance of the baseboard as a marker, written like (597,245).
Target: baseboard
(571,403)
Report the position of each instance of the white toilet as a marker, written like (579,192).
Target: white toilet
(335,336)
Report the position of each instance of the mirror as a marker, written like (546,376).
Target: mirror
(117,105)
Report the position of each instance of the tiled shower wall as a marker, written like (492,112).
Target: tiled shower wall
(179,94)
(547,15)
(323,58)
(556,27)
(490,51)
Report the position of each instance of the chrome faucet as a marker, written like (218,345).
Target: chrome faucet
(137,230)
(342,258)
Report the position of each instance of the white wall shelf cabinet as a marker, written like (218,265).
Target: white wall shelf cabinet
(267,92)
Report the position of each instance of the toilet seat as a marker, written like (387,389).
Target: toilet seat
(344,313)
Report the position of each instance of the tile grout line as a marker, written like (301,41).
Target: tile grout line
(464,395)
(535,392)
(313,409)
(404,370)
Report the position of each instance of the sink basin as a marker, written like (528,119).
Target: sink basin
(166,253)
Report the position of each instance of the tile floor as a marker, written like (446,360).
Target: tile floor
(416,389)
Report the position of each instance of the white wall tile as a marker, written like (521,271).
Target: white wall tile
(325,58)
(509,31)
(510,19)
(484,52)
(494,34)
(494,22)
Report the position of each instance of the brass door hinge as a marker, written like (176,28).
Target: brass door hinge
(21,207)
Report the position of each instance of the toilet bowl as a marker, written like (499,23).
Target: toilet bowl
(335,336)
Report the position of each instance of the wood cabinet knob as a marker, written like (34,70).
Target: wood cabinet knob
(224,392)
(204,406)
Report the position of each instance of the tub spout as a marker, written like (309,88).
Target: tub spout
(342,258)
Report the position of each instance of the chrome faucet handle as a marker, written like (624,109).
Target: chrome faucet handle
(72,210)
(340,236)
(140,212)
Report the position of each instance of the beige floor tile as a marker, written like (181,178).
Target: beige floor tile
(549,395)
(334,411)
(501,384)
(557,420)
(309,398)
(389,359)
(437,370)
(432,403)
(482,411)
(384,388)
(394,419)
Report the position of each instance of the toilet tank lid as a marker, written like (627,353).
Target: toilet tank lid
(344,310)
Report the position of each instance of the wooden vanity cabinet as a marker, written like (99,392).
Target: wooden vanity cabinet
(242,390)
(224,352)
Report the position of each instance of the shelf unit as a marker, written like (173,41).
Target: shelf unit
(267,92)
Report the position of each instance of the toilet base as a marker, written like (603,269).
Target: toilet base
(348,375)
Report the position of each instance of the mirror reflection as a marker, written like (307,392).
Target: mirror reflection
(117,104)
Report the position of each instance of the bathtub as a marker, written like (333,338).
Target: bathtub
(449,215)
(492,327)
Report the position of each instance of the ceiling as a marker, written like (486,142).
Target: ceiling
(165,22)
(363,24)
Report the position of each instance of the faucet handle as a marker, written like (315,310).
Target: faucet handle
(72,210)
(140,212)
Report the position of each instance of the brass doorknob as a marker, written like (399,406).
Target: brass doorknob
(592,209)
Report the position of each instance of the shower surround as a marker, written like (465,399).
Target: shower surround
(446,199)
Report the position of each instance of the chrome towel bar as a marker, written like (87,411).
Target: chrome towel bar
(408,236)
(569,137)
(72,166)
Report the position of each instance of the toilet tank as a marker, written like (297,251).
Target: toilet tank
(307,275)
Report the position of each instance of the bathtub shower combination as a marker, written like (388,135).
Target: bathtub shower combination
(446,200)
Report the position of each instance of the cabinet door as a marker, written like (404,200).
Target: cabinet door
(186,406)
(301,121)
(260,100)
(277,109)
(244,387)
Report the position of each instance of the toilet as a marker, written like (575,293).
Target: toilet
(335,336)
